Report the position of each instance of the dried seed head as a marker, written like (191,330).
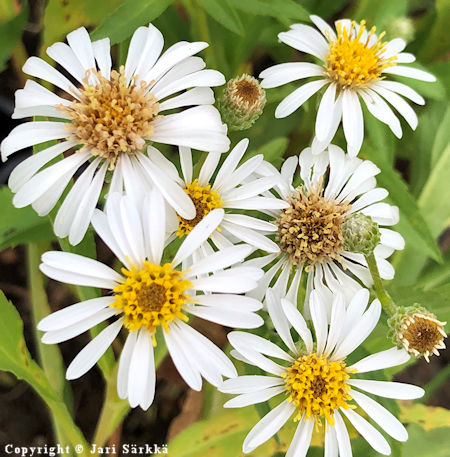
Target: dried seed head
(310,230)
(418,331)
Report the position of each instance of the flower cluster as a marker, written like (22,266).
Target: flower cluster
(230,239)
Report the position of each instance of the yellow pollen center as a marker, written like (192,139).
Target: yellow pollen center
(205,200)
(112,117)
(151,297)
(317,386)
(354,62)
(310,229)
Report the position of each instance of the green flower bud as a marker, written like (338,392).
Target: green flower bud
(417,330)
(401,27)
(360,233)
(242,102)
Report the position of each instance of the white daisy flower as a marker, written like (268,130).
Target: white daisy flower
(316,380)
(354,65)
(334,188)
(234,188)
(106,118)
(151,294)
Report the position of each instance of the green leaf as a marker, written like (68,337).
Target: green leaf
(20,225)
(379,13)
(224,14)
(61,17)
(127,17)
(15,358)
(441,138)
(10,33)
(423,443)
(412,224)
(272,151)
(428,417)
(435,197)
(285,10)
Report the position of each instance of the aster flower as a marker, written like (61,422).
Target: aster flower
(234,188)
(335,188)
(315,382)
(151,294)
(354,63)
(105,120)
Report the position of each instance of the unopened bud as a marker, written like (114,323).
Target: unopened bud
(401,27)
(418,331)
(360,233)
(242,102)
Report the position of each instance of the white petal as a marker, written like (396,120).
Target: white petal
(393,47)
(337,311)
(92,352)
(387,389)
(124,365)
(331,444)
(230,163)
(240,174)
(368,431)
(253,398)
(360,331)
(381,360)
(31,133)
(319,319)
(195,96)
(325,113)
(208,168)
(302,439)
(306,39)
(251,237)
(249,383)
(410,72)
(384,418)
(186,163)
(198,235)
(401,89)
(102,55)
(141,360)
(64,55)
(392,239)
(287,72)
(326,30)
(77,328)
(228,318)
(74,313)
(77,265)
(229,301)
(345,448)
(299,324)
(182,361)
(81,45)
(250,222)
(296,99)
(155,228)
(268,426)
(279,319)
(352,121)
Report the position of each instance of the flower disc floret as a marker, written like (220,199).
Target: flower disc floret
(354,62)
(317,386)
(205,200)
(310,229)
(151,297)
(111,117)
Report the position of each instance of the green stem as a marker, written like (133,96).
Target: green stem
(435,383)
(386,301)
(49,355)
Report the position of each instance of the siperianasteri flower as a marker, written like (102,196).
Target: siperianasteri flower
(314,382)
(331,189)
(106,118)
(354,64)
(152,294)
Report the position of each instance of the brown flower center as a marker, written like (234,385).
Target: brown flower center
(112,117)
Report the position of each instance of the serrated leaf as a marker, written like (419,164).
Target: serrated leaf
(127,17)
(224,14)
(10,33)
(20,225)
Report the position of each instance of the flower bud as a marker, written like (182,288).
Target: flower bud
(242,102)
(401,27)
(418,331)
(360,233)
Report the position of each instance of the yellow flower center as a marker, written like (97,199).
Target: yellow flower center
(205,200)
(354,63)
(310,229)
(112,117)
(151,297)
(317,386)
